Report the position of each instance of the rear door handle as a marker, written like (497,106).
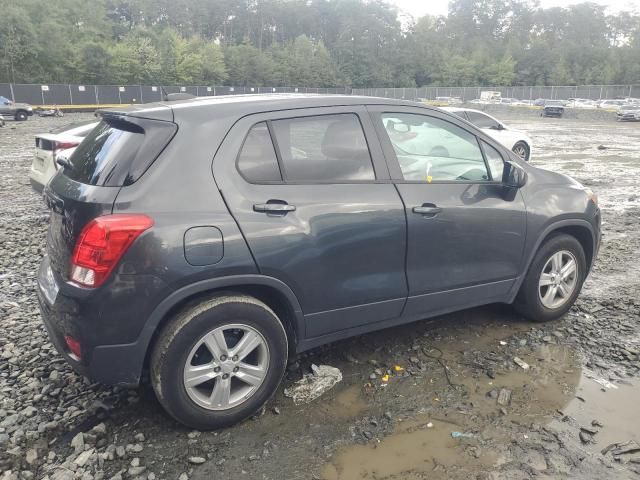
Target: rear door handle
(281,208)
(427,209)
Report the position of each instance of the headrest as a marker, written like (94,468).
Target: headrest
(344,139)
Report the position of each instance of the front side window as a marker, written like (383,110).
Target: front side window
(481,120)
(257,160)
(323,149)
(429,149)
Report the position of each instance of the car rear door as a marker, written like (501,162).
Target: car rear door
(466,230)
(311,194)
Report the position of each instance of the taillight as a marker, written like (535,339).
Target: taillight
(101,245)
(74,347)
(64,145)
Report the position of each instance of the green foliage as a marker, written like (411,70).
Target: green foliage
(319,43)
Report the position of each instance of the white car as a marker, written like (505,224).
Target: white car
(515,140)
(51,146)
(611,104)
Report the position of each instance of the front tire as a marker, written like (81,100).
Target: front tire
(21,116)
(554,279)
(218,361)
(522,150)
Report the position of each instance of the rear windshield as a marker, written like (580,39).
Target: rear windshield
(118,151)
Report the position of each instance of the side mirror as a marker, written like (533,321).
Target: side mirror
(514,175)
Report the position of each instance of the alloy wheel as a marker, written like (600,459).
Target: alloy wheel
(226,367)
(520,151)
(558,279)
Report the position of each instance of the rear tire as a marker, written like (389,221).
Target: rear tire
(537,300)
(200,380)
(21,116)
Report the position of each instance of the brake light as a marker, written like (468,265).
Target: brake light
(101,245)
(64,145)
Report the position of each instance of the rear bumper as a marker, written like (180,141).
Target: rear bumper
(36,185)
(116,364)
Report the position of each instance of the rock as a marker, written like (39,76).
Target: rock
(62,474)
(373,376)
(197,460)
(504,397)
(100,429)
(77,443)
(139,437)
(276,410)
(135,471)
(311,386)
(585,437)
(32,456)
(120,451)
(84,457)
(388,416)
(183,476)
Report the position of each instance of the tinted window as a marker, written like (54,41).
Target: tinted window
(429,149)
(117,151)
(257,160)
(481,120)
(327,148)
(495,162)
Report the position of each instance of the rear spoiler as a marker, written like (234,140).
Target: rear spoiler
(152,111)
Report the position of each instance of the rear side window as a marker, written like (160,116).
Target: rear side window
(118,151)
(257,160)
(482,121)
(323,149)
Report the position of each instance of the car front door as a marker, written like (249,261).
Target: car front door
(466,230)
(310,191)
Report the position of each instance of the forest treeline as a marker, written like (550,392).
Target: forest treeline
(315,43)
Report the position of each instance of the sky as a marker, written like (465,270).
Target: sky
(418,8)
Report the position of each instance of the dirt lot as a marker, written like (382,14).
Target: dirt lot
(579,395)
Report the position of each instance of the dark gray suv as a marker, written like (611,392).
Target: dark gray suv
(209,240)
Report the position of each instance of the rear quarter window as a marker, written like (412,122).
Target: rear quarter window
(118,151)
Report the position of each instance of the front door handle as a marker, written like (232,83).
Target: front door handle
(427,209)
(278,208)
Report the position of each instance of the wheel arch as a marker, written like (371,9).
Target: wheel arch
(271,291)
(581,230)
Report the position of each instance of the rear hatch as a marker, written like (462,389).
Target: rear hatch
(114,154)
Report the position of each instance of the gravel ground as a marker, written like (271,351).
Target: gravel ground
(456,373)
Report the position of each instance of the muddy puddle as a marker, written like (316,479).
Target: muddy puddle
(454,440)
